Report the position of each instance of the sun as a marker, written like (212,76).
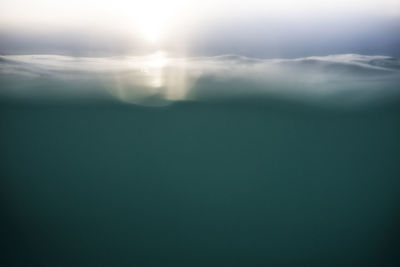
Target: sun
(152,19)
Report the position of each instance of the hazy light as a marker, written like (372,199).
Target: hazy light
(157,60)
(154,18)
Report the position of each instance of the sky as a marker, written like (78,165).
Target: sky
(255,28)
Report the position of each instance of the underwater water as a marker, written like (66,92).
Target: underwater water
(209,161)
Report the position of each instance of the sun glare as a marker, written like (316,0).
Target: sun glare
(151,27)
(152,19)
(157,60)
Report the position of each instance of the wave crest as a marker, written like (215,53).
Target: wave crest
(159,79)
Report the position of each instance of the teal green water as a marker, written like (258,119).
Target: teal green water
(194,184)
(223,161)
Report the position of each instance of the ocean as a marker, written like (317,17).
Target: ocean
(220,161)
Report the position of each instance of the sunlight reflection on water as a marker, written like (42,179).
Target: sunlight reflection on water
(158,80)
(158,76)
